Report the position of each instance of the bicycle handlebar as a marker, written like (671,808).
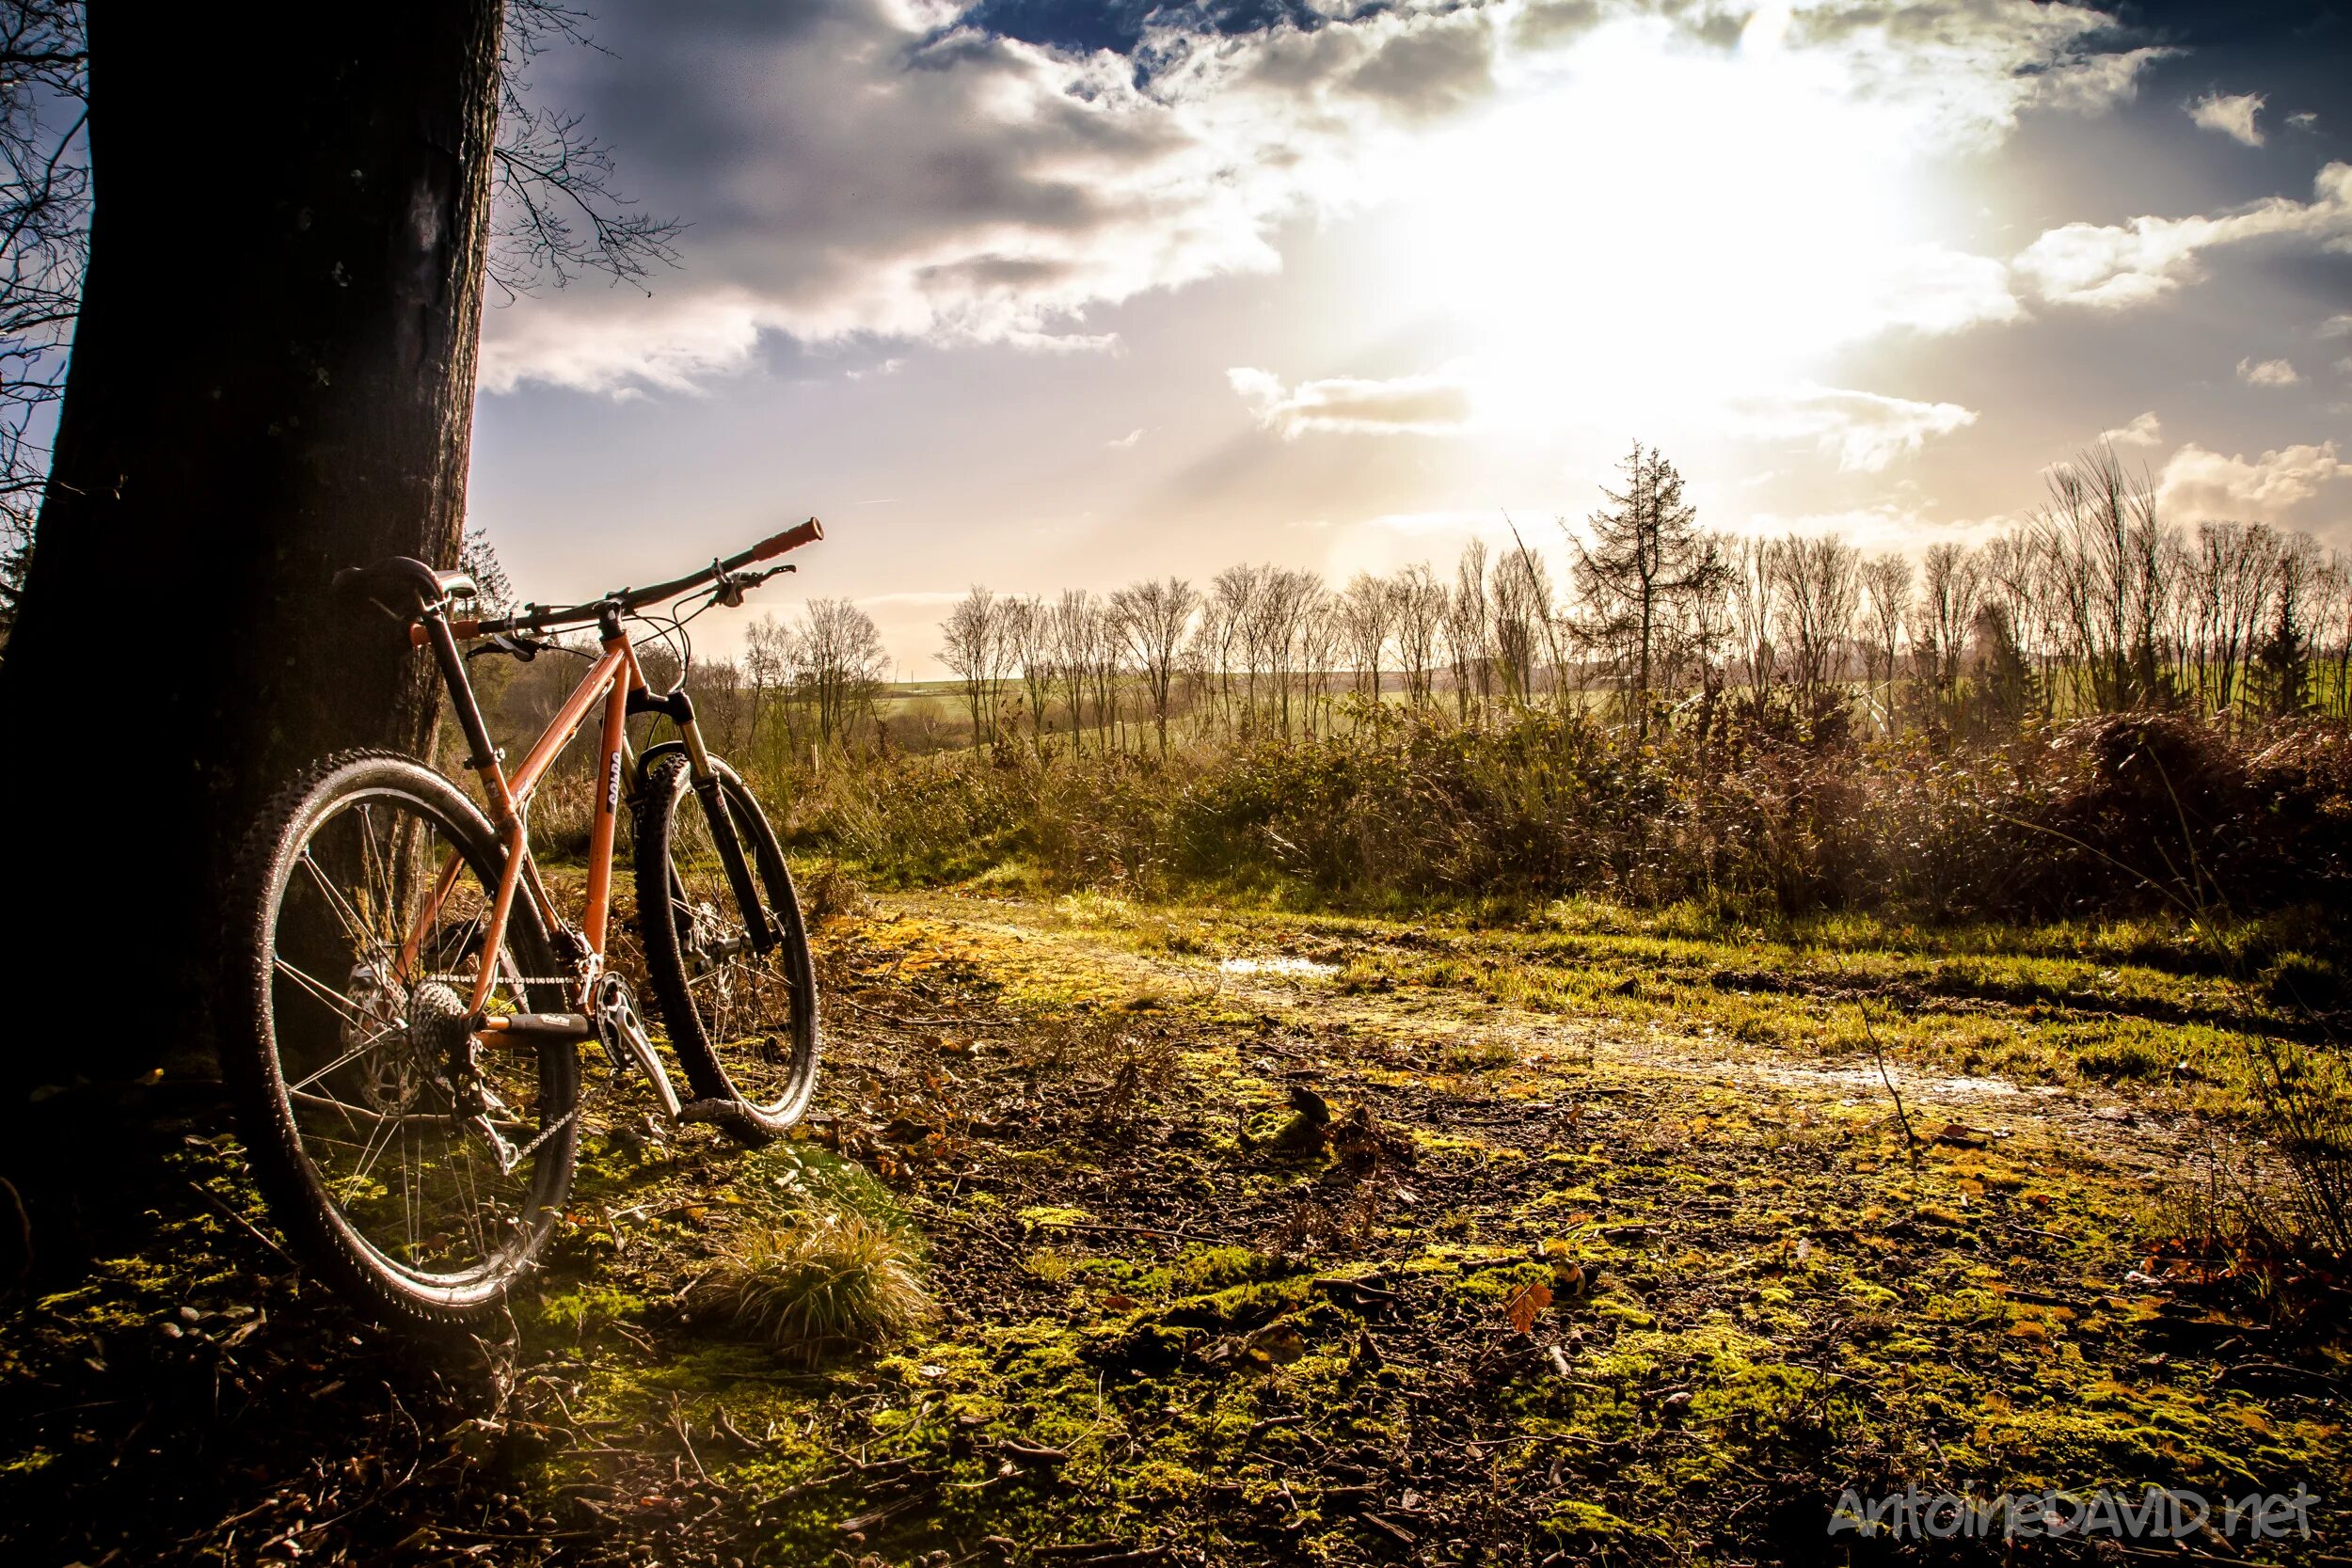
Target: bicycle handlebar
(548,618)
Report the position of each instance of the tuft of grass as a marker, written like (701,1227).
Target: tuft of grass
(822,1283)
(830,891)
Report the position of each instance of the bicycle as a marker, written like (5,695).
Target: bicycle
(404,1008)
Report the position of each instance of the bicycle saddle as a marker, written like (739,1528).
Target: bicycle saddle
(401,584)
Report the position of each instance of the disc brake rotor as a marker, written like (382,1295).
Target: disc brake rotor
(389,1079)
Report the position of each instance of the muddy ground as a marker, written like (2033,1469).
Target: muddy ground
(1285,1239)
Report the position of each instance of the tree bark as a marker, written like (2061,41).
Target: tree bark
(273,377)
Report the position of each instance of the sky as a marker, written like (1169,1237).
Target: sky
(1040,294)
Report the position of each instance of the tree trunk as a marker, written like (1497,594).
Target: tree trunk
(273,377)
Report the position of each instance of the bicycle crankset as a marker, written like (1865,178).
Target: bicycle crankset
(623,1034)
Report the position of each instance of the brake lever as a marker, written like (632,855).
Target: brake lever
(734,585)
(524,649)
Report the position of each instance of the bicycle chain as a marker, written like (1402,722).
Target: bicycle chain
(515,1161)
(507,980)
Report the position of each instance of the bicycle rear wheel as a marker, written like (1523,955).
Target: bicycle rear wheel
(373,1123)
(743,1022)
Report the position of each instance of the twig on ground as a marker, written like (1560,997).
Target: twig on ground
(1911,1139)
(253,1230)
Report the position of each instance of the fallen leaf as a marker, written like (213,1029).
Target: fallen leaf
(1278,1342)
(1526,1305)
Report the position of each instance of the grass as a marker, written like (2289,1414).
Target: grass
(1152,1324)
(2052,1003)
(814,1285)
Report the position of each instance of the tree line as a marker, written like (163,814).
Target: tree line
(2093,603)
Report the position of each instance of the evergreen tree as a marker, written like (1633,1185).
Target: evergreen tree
(1642,566)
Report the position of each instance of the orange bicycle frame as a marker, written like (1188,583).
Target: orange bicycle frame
(613,678)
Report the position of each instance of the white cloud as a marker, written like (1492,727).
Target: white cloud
(2266,372)
(1431,405)
(621,346)
(2114,267)
(2233,117)
(2094,84)
(2343,367)
(2197,484)
(2336,326)
(1932,289)
(1123,443)
(1970,67)
(2307,121)
(883,167)
(1865,430)
(1883,525)
(2145,429)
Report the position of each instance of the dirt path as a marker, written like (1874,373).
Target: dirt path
(1253,1241)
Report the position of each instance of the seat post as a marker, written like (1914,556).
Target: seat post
(484,760)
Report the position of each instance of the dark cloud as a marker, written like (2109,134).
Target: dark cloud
(1121,25)
(1431,72)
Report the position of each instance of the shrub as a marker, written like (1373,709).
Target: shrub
(820,1283)
(2130,813)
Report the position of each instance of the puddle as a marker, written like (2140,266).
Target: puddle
(1867,1078)
(1297,967)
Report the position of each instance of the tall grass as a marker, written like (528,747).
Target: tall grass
(2113,814)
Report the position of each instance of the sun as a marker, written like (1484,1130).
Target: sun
(1657,226)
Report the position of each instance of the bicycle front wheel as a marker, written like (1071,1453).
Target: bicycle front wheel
(742,1021)
(420,1172)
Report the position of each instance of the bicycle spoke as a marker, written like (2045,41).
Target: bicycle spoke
(344,1061)
(353,926)
(336,1001)
(370,1152)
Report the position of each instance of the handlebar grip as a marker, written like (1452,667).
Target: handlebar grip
(790,539)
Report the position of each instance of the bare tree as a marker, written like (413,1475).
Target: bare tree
(1232,611)
(556,213)
(1710,622)
(767,663)
(1888,579)
(2231,571)
(1820,589)
(1468,628)
(1951,589)
(1029,646)
(2332,597)
(1367,613)
(1421,609)
(1285,601)
(1153,617)
(969,637)
(44,215)
(2009,573)
(1076,620)
(1322,637)
(1754,615)
(841,666)
(1521,595)
(2107,557)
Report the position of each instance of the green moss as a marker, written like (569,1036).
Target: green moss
(1573,1519)
(584,1311)
(1501,1285)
